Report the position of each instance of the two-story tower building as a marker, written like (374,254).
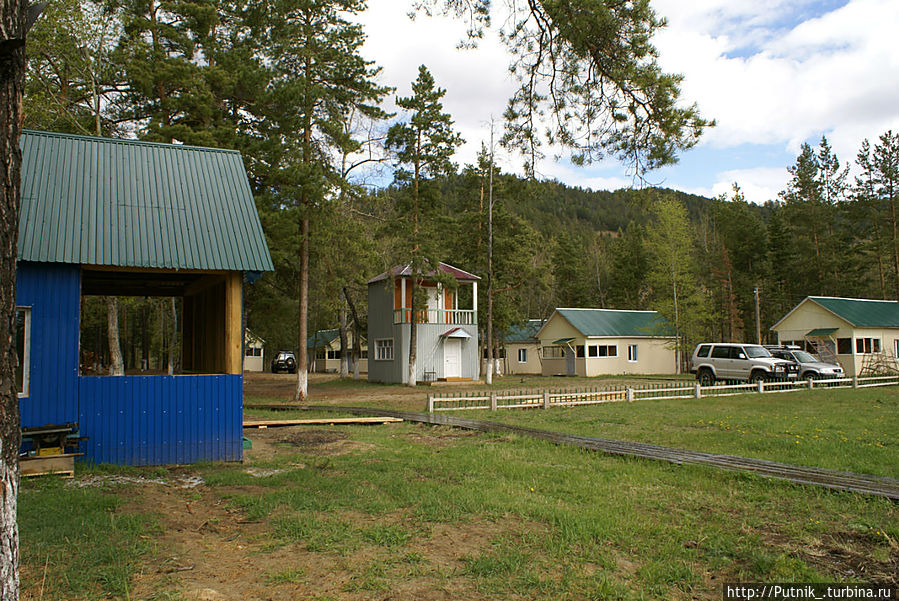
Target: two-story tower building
(447,330)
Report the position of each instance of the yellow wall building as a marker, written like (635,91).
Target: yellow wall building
(862,334)
(593,342)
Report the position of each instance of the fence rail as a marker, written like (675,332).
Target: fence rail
(545,399)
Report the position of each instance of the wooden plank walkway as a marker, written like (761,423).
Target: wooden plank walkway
(274,423)
(814,476)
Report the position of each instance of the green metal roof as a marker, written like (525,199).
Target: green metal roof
(822,332)
(862,313)
(610,322)
(321,338)
(99,201)
(524,333)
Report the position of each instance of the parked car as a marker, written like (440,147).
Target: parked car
(713,361)
(284,361)
(810,367)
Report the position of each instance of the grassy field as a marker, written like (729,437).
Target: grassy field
(837,428)
(406,511)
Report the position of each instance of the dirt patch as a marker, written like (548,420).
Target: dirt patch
(313,438)
(856,556)
(439,436)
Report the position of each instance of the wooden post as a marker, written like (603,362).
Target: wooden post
(855,381)
(233,323)
(630,394)
(430,403)
(546,399)
(493,401)
(761,386)
(811,383)
(697,390)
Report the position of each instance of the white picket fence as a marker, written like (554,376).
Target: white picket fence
(545,399)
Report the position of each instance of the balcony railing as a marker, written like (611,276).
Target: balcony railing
(459,317)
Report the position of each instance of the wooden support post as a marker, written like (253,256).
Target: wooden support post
(811,383)
(546,399)
(430,403)
(697,390)
(761,386)
(493,401)
(233,323)
(630,394)
(855,381)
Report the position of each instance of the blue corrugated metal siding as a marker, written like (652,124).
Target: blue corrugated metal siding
(99,201)
(53,292)
(156,420)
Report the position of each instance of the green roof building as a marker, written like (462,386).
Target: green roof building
(108,217)
(592,342)
(861,334)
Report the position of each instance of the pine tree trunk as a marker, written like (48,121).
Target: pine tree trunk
(413,335)
(117,366)
(342,330)
(173,338)
(12,80)
(302,391)
(357,333)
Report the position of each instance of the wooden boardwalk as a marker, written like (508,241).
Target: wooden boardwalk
(814,476)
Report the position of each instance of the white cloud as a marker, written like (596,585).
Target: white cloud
(768,74)
(758,184)
(829,74)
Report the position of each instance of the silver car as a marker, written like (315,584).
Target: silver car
(735,361)
(810,367)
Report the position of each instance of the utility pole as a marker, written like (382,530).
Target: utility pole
(758,321)
(488,378)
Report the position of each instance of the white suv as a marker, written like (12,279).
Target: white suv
(733,361)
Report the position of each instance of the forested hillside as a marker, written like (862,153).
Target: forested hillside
(288,87)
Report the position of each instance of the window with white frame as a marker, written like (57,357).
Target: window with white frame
(384,349)
(604,350)
(23,350)
(523,355)
(632,353)
(867,345)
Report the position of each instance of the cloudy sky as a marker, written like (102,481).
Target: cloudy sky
(772,73)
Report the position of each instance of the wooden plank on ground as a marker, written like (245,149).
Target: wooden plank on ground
(274,423)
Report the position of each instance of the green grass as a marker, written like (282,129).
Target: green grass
(76,543)
(571,509)
(844,429)
(538,521)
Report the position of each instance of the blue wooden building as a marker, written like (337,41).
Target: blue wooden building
(126,218)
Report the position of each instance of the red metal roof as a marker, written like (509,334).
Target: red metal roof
(405,271)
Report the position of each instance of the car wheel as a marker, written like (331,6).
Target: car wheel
(706,377)
(758,376)
(811,375)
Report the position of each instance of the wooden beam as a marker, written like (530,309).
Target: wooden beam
(274,423)
(233,323)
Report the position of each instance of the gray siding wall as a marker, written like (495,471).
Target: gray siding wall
(380,325)
(430,344)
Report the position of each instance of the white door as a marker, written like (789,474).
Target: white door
(452,358)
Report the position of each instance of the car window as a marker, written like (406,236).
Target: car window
(721,352)
(804,357)
(704,350)
(755,351)
(737,353)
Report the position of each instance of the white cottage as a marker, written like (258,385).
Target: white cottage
(593,342)
(862,334)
